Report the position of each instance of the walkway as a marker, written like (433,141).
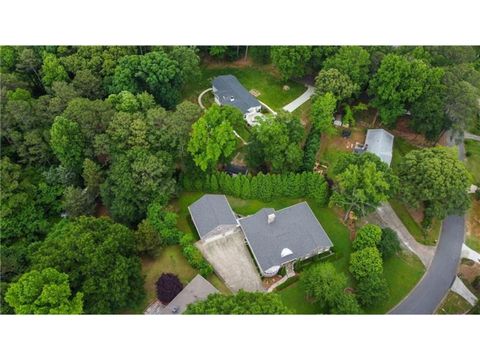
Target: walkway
(289,272)
(471,136)
(200,97)
(295,104)
(470,254)
(389,218)
(461,289)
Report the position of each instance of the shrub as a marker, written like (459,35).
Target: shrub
(366,262)
(372,290)
(168,286)
(312,144)
(368,236)
(147,239)
(389,244)
(194,256)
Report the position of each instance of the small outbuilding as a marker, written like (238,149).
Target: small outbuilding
(380,143)
(228,91)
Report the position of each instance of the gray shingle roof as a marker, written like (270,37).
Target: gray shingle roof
(230,92)
(211,211)
(196,290)
(295,228)
(380,143)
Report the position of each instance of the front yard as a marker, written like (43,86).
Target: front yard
(258,77)
(473,226)
(453,304)
(472,151)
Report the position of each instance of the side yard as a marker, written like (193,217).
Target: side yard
(453,304)
(472,152)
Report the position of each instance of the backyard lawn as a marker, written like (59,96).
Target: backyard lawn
(260,78)
(472,150)
(453,304)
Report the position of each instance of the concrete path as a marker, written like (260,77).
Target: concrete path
(461,289)
(200,97)
(295,104)
(290,272)
(238,136)
(471,136)
(470,254)
(389,218)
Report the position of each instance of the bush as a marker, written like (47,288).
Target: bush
(389,244)
(194,256)
(368,236)
(312,144)
(372,290)
(168,286)
(365,263)
(147,239)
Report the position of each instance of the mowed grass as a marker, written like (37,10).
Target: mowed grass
(472,149)
(453,304)
(473,226)
(402,273)
(260,78)
(294,297)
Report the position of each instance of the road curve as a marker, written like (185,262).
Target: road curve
(429,292)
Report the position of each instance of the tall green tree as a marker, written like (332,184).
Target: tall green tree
(99,258)
(365,263)
(335,82)
(241,303)
(291,61)
(436,179)
(362,183)
(44,292)
(368,236)
(52,70)
(67,143)
(212,138)
(323,109)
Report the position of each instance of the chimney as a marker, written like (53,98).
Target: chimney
(271,218)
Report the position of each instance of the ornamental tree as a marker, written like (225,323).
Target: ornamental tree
(212,138)
(366,262)
(44,292)
(243,302)
(168,286)
(372,290)
(389,244)
(436,179)
(368,236)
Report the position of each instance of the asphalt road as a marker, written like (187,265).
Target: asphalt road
(430,291)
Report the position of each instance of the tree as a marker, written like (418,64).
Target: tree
(436,179)
(326,286)
(147,239)
(67,143)
(92,177)
(88,85)
(99,258)
(77,202)
(52,70)
(366,262)
(335,82)
(389,244)
(212,138)
(398,83)
(353,61)
(372,290)
(154,72)
(323,109)
(168,286)
(164,222)
(134,179)
(275,141)
(368,236)
(362,183)
(241,303)
(291,61)
(188,61)
(44,292)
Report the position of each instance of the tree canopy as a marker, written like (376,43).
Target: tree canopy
(323,109)
(44,292)
(335,82)
(291,61)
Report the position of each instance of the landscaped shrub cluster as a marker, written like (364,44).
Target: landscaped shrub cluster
(263,187)
(194,256)
(312,144)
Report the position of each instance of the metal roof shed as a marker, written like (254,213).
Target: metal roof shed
(380,143)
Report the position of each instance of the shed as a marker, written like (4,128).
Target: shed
(380,143)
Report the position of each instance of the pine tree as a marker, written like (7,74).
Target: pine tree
(237,185)
(254,193)
(213,183)
(245,194)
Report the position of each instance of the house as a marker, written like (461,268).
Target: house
(380,143)
(275,237)
(229,91)
(196,290)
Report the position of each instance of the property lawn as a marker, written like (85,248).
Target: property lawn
(453,304)
(170,260)
(428,238)
(402,272)
(472,150)
(260,78)
(473,226)
(294,297)
(401,147)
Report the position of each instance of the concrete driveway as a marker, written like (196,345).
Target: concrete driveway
(232,261)
(300,100)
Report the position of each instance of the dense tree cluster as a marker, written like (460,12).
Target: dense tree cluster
(241,303)
(266,187)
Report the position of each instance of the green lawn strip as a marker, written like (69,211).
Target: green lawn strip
(402,273)
(252,77)
(294,297)
(414,228)
(401,147)
(472,149)
(453,304)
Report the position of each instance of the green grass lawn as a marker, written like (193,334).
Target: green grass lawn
(413,227)
(453,304)
(402,272)
(401,147)
(472,149)
(259,78)
(294,297)
(473,226)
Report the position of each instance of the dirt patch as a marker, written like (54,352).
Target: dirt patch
(213,63)
(473,223)
(267,282)
(403,130)
(339,143)
(101,210)
(469,270)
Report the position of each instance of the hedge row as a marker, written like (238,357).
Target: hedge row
(312,144)
(194,256)
(263,187)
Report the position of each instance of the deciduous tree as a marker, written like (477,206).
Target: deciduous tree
(168,286)
(291,61)
(323,109)
(335,82)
